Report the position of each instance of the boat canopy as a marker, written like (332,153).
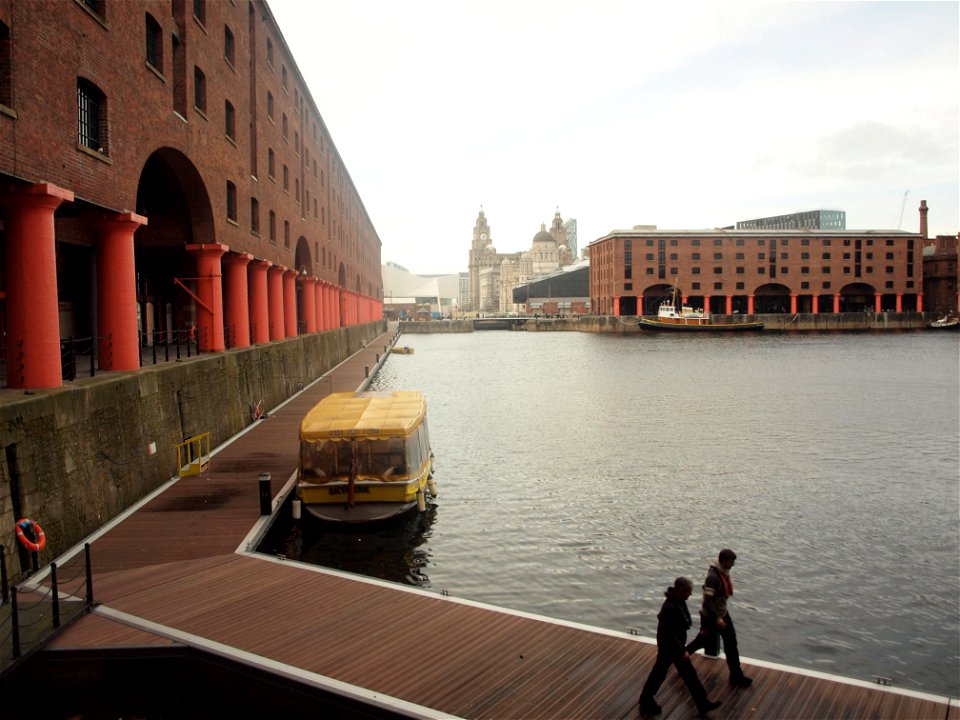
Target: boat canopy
(369,415)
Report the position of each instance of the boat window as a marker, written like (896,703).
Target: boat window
(325,459)
(382,457)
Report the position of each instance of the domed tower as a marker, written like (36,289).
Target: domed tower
(544,252)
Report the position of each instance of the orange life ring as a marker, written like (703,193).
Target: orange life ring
(41,542)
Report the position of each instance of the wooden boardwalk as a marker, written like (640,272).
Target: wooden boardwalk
(177,570)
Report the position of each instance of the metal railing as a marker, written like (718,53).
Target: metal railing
(29,617)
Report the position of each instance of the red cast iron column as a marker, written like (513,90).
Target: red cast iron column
(259,303)
(238,298)
(275,293)
(118,342)
(308,299)
(318,305)
(33,311)
(290,303)
(210,294)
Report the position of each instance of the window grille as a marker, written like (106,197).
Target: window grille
(90,116)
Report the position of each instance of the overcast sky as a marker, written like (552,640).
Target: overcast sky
(681,114)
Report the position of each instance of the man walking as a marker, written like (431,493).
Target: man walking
(672,625)
(715,618)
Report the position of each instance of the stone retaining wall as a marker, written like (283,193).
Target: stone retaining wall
(75,457)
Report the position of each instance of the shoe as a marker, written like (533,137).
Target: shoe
(710,705)
(741,681)
(649,707)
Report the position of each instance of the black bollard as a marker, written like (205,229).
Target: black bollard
(265,500)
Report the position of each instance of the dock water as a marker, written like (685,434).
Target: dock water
(177,579)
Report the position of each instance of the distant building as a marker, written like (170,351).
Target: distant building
(493,275)
(562,292)
(757,271)
(813,219)
(420,297)
(571,228)
(941,272)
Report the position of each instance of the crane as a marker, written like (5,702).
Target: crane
(903,204)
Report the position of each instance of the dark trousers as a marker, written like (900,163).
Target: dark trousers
(687,673)
(707,638)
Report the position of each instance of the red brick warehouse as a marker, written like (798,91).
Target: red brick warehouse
(727,271)
(164,167)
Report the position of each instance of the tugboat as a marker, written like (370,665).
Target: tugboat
(945,322)
(691,320)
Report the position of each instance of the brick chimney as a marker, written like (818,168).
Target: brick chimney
(923,219)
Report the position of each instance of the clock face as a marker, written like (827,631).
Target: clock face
(483,236)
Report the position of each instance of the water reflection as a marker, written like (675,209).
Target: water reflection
(395,549)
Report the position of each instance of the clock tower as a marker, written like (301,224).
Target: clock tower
(480,257)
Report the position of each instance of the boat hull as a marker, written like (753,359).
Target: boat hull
(941,325)
(659,326)
(360,512)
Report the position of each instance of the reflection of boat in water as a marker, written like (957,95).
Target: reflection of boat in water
(402,350)
(945,322)
(365,456)
(690,320)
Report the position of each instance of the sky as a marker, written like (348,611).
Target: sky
(684,115)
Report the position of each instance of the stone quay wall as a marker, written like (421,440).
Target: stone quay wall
(436,326)
(801,322)
(75,457)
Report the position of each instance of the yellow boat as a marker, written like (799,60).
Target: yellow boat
(365,456)
(403,350)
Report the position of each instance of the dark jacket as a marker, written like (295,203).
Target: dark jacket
(714,595)
(674,621)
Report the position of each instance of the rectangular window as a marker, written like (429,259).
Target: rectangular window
(269,52)
(6,69)
(718,271)
(286,179)
(286,234)
(271,163)
(228,45)
(231,201)
(229,120)
(154,42)
(199,90)
(91,116)
(254,216)
(200,10)
(695,270)
(273,227)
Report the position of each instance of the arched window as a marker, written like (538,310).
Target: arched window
(91,116)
